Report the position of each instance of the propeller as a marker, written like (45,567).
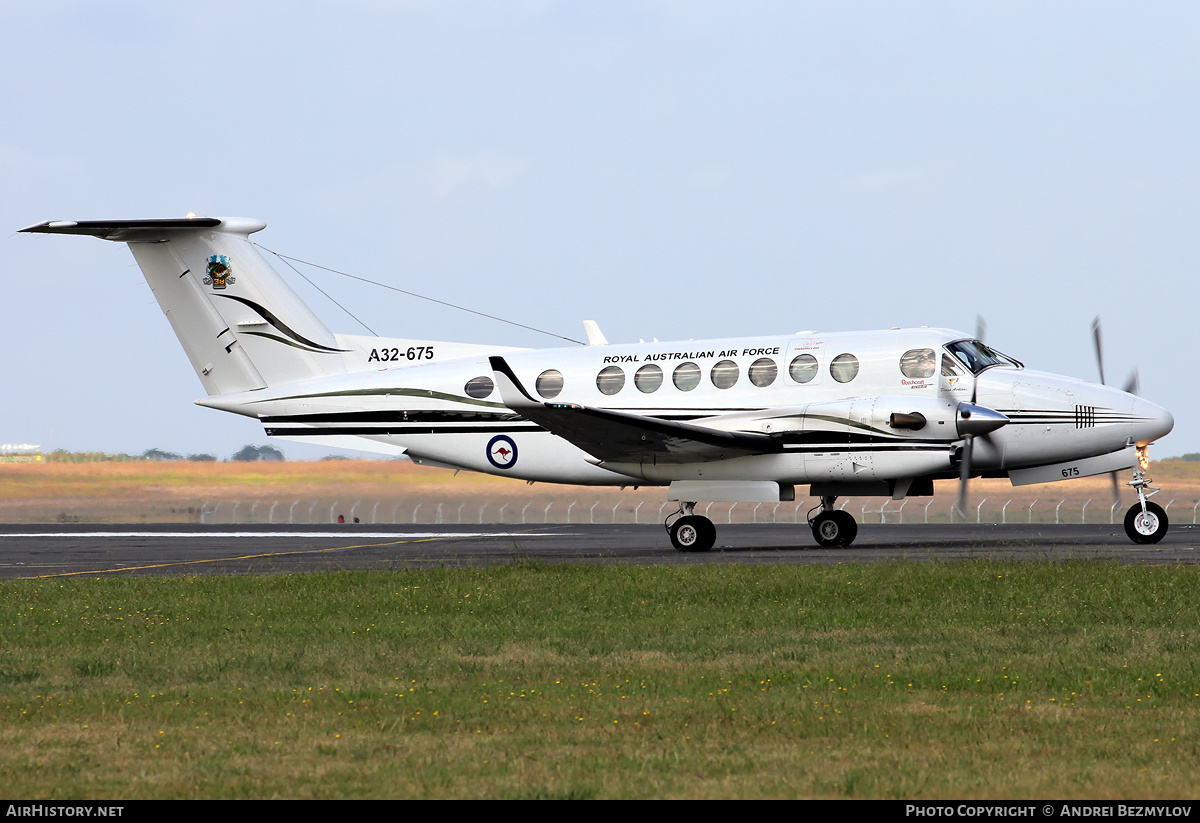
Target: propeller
(973,421)
(964,474)
(1099,346)
(1133,385)
(964,470)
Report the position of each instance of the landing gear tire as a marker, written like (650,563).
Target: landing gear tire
(1148,526)
(834,529)
(693,533)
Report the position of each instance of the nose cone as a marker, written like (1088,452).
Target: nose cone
(1150,422)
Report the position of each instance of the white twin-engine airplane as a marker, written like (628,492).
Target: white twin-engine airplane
(737,420)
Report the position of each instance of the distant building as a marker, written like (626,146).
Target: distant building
(20,453)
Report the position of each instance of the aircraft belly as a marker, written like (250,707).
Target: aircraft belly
(796,468)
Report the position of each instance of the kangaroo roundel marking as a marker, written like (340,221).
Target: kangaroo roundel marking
(502,452)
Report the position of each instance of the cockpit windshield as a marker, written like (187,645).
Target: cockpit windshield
(977,357)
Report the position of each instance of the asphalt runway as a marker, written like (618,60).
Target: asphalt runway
(86,550)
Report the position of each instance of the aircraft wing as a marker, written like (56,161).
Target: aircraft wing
(622,437)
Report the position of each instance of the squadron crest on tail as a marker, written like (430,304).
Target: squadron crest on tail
(218,273)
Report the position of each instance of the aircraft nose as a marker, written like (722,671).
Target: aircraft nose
(1150,422)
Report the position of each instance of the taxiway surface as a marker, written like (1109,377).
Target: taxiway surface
(50,551)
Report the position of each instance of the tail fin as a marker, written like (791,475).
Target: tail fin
(241,325)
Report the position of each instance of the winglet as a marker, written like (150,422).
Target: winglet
(511,391)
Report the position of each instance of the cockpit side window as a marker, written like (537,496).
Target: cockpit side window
(977,357)
(950,367)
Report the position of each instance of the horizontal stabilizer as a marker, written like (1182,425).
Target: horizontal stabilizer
(126,230)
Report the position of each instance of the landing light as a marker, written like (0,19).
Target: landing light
(1143,453)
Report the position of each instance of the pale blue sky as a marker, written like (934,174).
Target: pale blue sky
(669,169)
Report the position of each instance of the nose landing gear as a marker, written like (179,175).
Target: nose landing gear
(1145,522)
(690,532)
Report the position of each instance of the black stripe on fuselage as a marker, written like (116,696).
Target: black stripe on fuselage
(873,448)
(402,421)
(398,431)
(402,416)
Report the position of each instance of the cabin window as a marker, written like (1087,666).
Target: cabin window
(686,376)
(479,387)
(648,378)
(948,367)
(803,368)
(610,380)
(763,372)
(844,368)
(549,383)
(918,364)
(724,374)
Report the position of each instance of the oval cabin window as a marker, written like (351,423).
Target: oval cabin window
(763,372)
(686,376)
(549,383)
(918,364)
(803,368)
(844,368)
(648,378)
(610,380)
(725,374)
(479,387)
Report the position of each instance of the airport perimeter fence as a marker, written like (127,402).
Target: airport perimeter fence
(585,511)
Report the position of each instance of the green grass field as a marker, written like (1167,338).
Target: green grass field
(979,679)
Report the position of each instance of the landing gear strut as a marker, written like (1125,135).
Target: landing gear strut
(833,528)
(1145,522)
(690,532)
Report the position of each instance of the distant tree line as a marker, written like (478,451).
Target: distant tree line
(248,453)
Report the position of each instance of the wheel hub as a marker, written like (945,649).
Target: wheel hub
(1146,523)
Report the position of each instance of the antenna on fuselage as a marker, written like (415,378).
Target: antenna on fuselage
(595,337)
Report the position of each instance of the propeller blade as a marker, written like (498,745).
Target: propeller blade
(964,475)
(1099,348)
(980,328)
(1133,385)
(1116,486)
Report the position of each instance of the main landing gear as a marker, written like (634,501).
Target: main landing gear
(1145,522)
(833,528)
(690,532)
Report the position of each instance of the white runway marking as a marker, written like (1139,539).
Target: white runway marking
(346,535)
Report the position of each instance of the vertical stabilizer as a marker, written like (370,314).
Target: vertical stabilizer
(241,325)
